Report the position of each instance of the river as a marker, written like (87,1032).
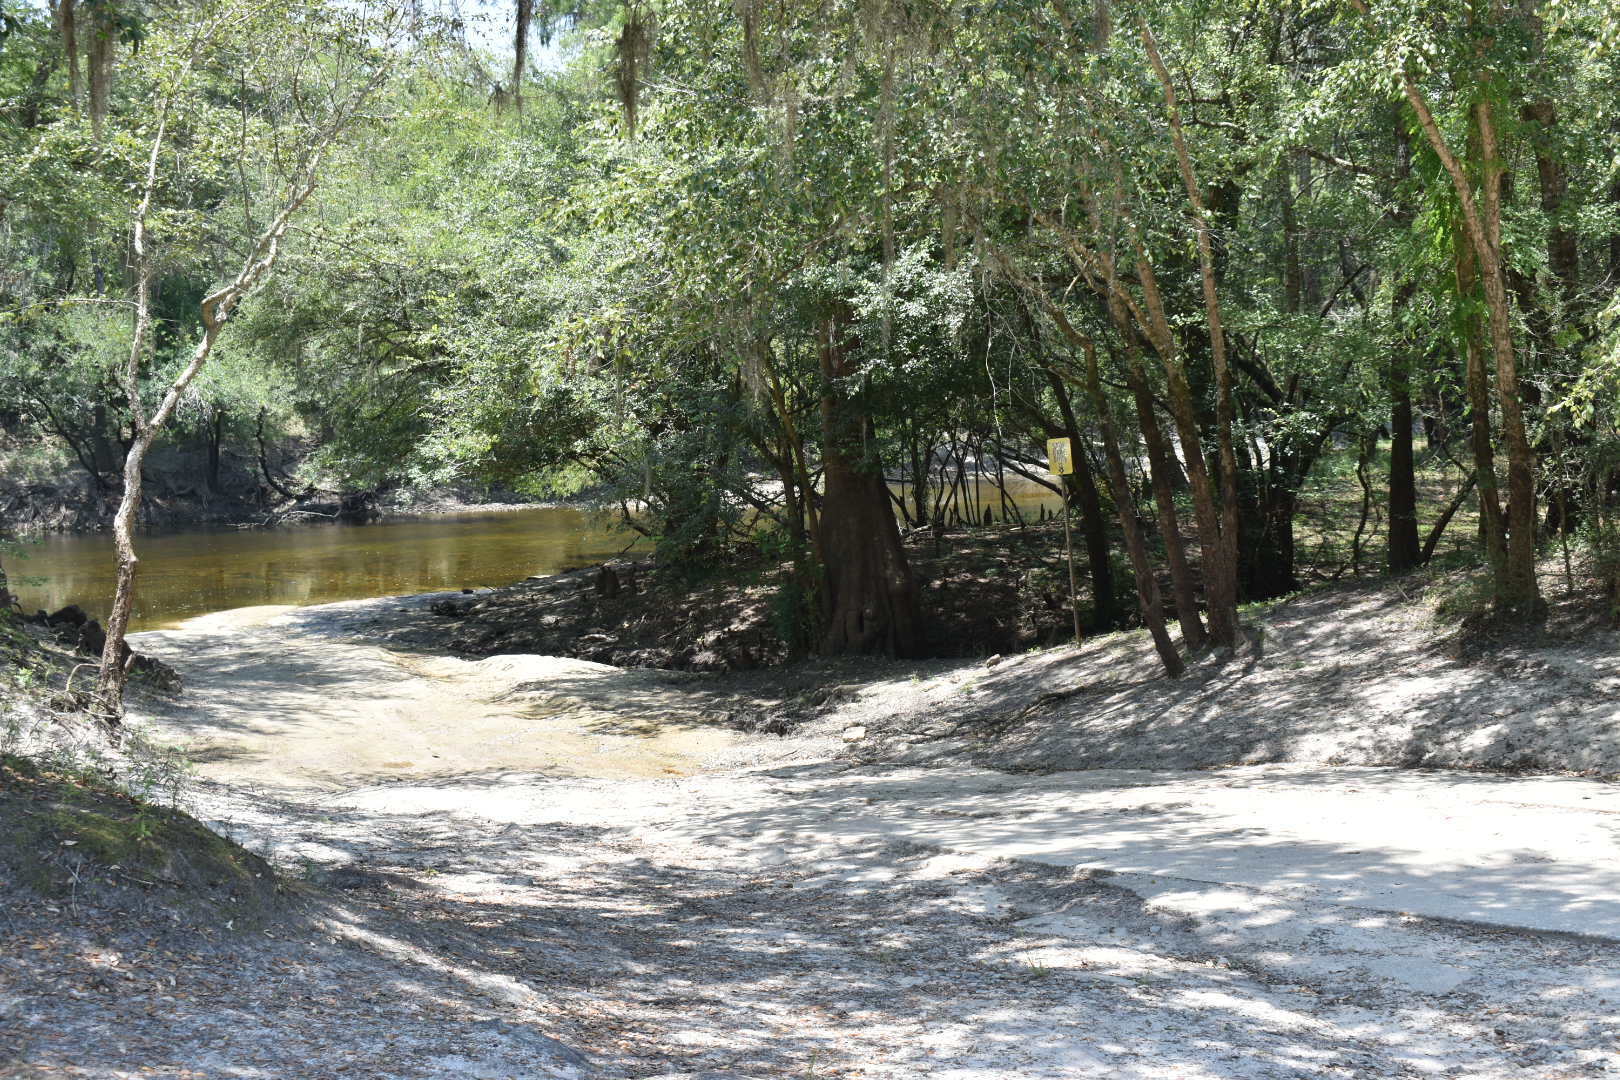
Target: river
(195,571)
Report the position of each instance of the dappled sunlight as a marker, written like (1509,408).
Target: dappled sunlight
(1351,676)
(777,944)
(546,844)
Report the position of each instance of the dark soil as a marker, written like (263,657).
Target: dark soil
(76,840)
(997,589)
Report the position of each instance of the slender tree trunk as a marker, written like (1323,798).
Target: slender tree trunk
(1513,569)
(1479,407)
(1367,444)
(918,451)
(1221,563)
(103,46)
(1563,244)
(1612,267)
(520,50)
(1518,594)
(1162,472)
(216,436)
(1438,529)
(216,309)
(1163,469)
(114,672)
(110,679)
(67,24)
(1147,586)
(1220,572)
(871,601)
(1092,524)
(1162,462)
(1404,551)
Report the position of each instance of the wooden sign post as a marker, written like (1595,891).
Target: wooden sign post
(1060,460)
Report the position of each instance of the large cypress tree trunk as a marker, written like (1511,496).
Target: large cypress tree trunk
(871,598)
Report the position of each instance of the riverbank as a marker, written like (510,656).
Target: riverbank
(1399,672)
(46,490)
(553,868)
(986,590)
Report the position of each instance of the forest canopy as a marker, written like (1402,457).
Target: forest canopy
(743,268)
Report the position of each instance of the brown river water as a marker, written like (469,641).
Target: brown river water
(196,571)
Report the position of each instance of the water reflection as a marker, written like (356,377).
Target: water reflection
(196,571)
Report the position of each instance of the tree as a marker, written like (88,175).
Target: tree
(1482,264)
(310,119)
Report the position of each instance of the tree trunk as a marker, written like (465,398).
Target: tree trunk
(1563,244)
(1405,551)
(1514,563)
(871,601)
(1162,471)
(520,50)
(1438,529)
(67,24)
(1220,572)
(1162,461)
(1147,586)
(1219,541)
(1365,447)
(216,308)
(1517,593)
(98,65)
(1092,524)
(110,685)
(216,435)
(1612,269)
(1266,568)
(1479,408)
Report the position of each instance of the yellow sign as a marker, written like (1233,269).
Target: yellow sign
(1060,457)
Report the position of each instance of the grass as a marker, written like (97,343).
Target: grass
(1036,969)
(77,812)
(1462,597)
(66,832)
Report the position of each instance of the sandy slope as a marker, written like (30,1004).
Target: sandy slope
(528,849)
(1352,676)
(271,702)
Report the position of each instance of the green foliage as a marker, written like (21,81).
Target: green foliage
(549,301)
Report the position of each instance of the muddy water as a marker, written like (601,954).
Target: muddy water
(196,571)
(190,572)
